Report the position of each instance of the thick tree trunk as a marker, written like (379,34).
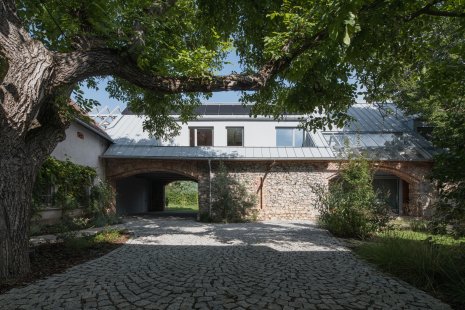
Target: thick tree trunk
(30,128)
(17,174)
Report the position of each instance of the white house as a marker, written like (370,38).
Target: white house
(85,143)
(277,161)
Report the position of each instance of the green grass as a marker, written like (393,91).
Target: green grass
(85,242)
(182,208)
(432,263)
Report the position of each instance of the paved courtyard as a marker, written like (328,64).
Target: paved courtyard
(182,264)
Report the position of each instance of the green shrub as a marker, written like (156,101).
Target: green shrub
(100,209)
(97,213)
(231,203)
(350,207)
(449,215)
(420,225)
(108,235)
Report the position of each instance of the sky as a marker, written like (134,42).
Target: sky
(103,97)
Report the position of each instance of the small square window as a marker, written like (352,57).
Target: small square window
(201,136)
(235,136)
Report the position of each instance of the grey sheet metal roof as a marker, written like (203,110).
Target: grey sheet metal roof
(380,137)
(261,153)
(244,153)
(95,129)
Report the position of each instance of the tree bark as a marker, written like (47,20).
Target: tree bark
(30,128)
(17,174)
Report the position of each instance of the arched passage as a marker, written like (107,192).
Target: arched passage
(145,192)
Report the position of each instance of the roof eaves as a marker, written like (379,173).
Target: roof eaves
(95,129)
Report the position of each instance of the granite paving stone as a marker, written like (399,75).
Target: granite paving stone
(174,263)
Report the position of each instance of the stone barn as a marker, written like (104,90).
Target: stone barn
(276,160)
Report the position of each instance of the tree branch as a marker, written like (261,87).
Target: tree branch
(160,7)
(76,66)
(12,35)
(428,10)
(443,13)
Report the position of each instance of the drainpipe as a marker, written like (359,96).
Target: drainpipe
(210,187)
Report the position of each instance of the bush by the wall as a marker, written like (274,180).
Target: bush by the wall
(231,203)
(100,209)
(62,184)
(65,185)
(350,207)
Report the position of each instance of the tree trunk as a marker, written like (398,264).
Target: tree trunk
(17,174)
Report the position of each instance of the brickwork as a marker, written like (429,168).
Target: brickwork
(283,188)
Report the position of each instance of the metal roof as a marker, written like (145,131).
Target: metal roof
(94,128)
(379,136)
(245,153)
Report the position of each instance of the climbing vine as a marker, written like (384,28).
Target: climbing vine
(63,184)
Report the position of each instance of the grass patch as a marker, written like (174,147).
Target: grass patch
(106,236)
(430,262)
(182,208)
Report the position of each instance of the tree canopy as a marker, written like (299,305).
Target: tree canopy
(301,56)
(164,55)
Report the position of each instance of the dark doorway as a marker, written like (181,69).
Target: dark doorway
(393,190)
(145,192)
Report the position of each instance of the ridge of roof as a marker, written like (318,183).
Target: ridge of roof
(85,120)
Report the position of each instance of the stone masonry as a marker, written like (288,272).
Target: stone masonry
(283,188)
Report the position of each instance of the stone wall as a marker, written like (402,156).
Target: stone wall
(283,188)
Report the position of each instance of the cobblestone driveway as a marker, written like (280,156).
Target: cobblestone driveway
(182,264)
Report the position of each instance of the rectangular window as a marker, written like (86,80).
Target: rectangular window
(201,136)
(235,136)
(293,137)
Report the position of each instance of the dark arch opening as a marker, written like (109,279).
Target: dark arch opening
(392,188)
(145,192)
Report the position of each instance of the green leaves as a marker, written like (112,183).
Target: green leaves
(396,51)
(66,182)
(350,207)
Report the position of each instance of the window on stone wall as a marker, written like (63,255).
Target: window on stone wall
(293,137)
(201,136)
(390,189)
(235,136)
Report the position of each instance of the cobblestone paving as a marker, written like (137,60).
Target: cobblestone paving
(182,264)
